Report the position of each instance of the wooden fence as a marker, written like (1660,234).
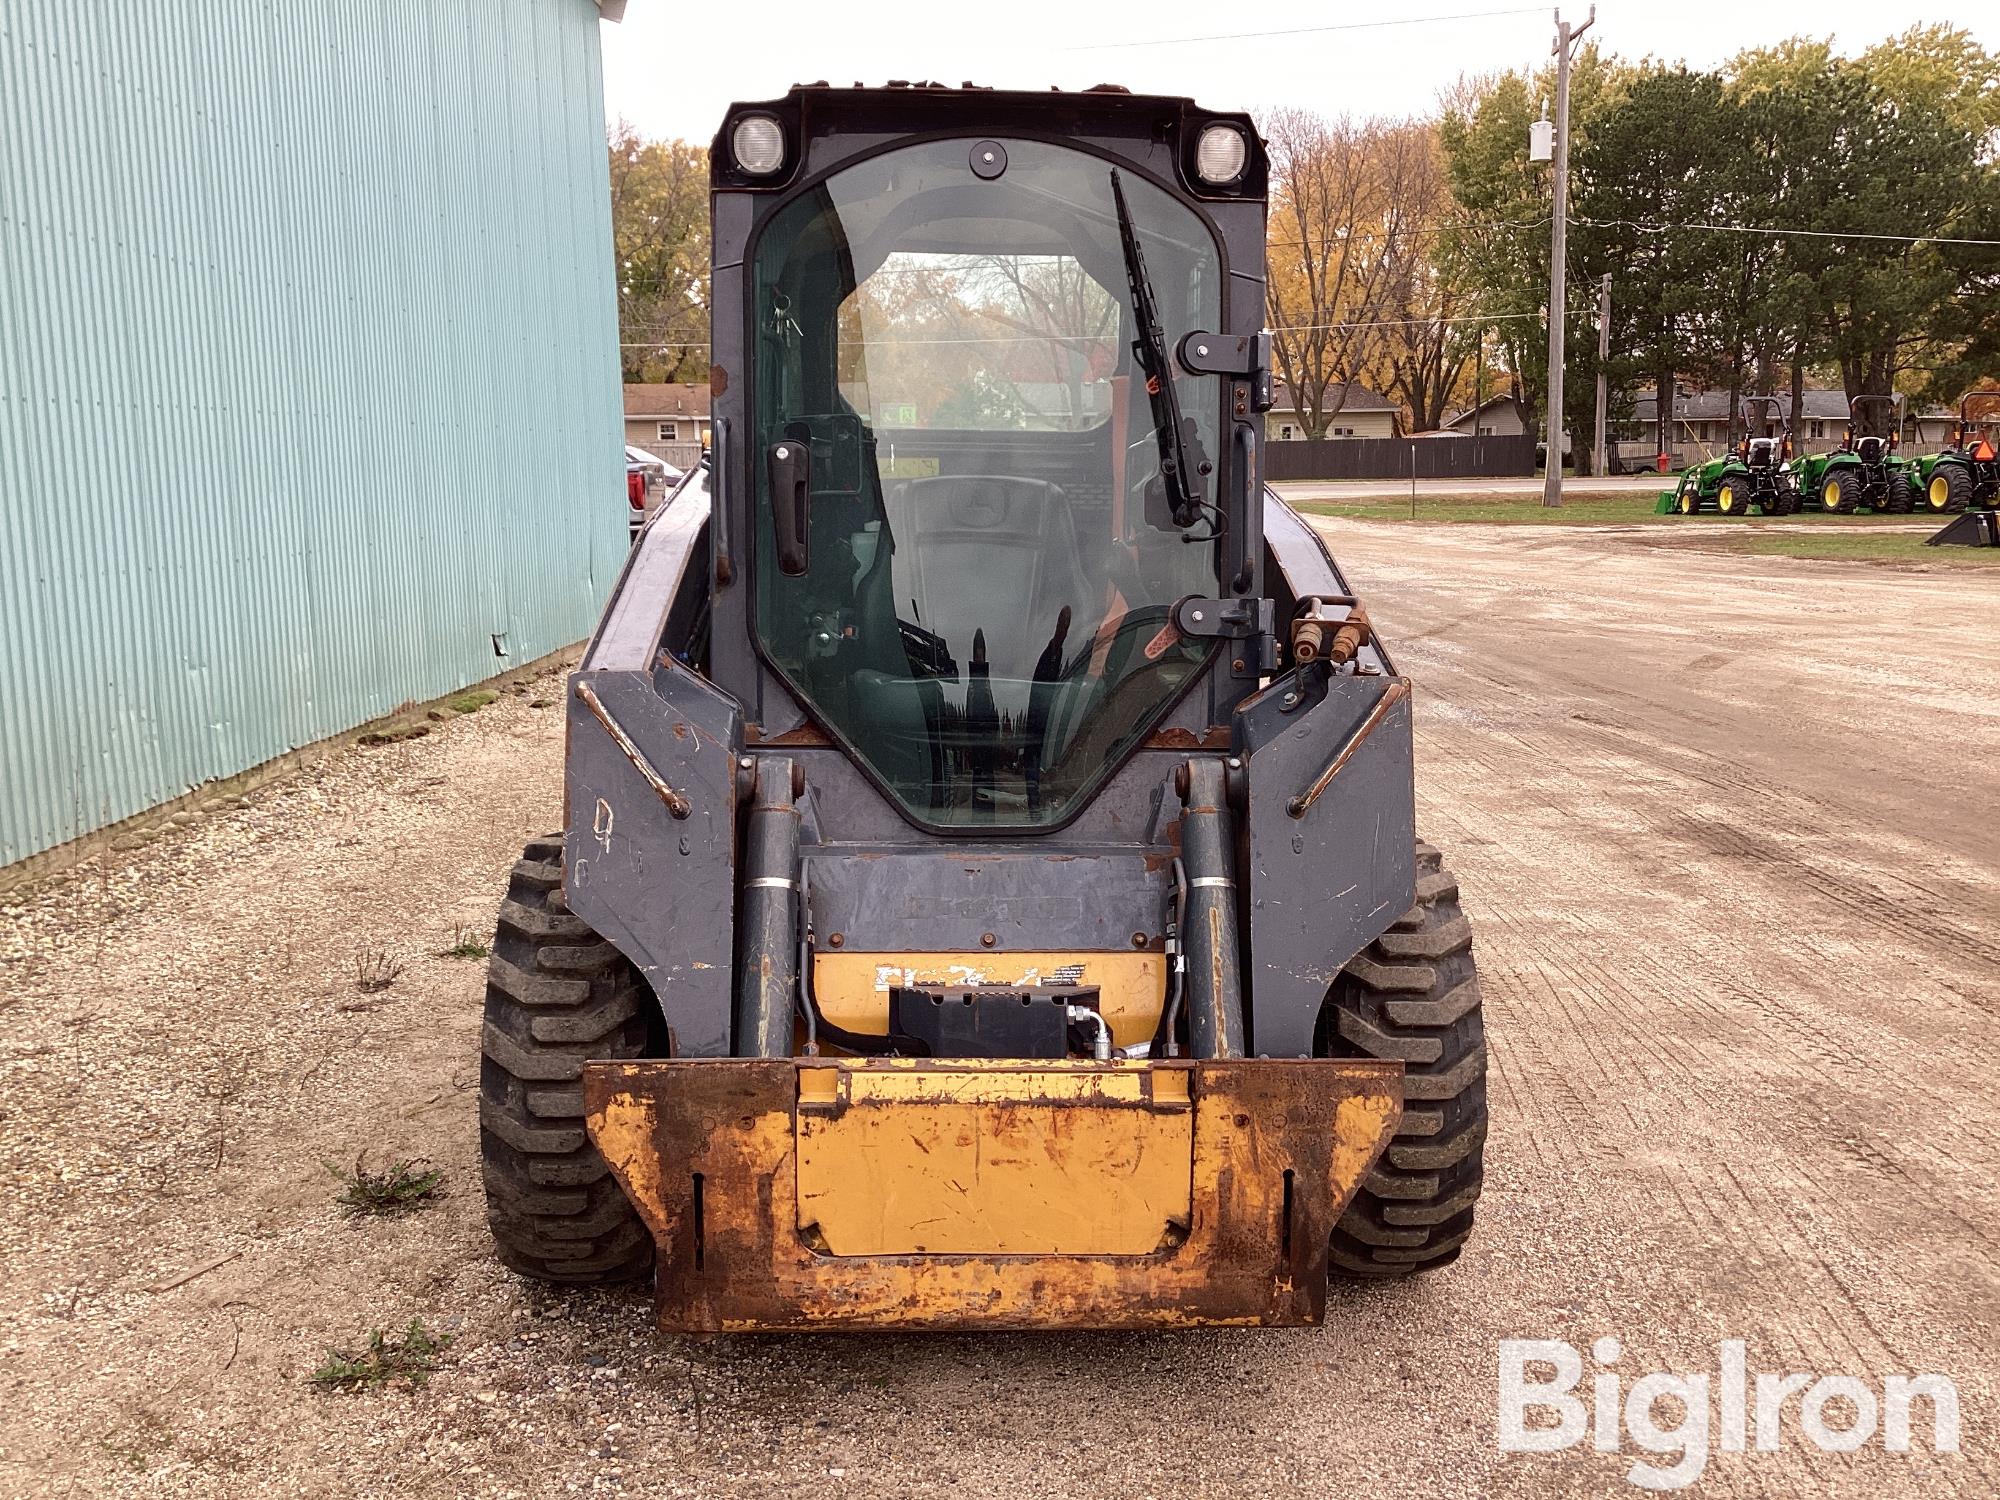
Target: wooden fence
(1398,458)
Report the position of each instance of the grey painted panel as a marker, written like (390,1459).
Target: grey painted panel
(663,889)
(846,807)
(938,900)
(629,634)
(1326,884)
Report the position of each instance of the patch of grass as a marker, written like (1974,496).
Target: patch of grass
(466,942)
(399,1188)
(410,1356)
(136,1447)
(1586,509)
(472,702)
(394,735)
(375,969)
(1507,510)
(1849,546)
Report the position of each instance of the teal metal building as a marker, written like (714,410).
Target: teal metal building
(309,391)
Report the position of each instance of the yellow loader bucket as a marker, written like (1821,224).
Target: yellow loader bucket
(855,1193)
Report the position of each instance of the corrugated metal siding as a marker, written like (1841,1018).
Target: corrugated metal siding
(308,377)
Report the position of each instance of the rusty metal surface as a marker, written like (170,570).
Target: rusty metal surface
(1397,691)
(708,1150)
(1305,569)
(676,803)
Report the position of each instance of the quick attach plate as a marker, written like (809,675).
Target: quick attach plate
(987,1020)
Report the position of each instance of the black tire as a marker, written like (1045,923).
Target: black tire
(1902,495)
(1732,498)
(556,995)
(1955,493)
(1843,488)
(1413,994)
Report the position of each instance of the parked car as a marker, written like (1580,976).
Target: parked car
(647,481)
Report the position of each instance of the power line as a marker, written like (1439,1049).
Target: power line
(1252,36)
(1818,234)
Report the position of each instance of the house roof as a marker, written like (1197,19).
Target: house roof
(676,399)
(1488,404)
(1816,405)
(1359,398)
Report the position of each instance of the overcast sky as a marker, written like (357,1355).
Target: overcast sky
(672,69)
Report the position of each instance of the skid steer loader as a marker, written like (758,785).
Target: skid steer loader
(988,894)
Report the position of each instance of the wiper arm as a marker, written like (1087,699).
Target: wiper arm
(1182,465)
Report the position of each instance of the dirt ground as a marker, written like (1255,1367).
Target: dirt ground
(1727,832)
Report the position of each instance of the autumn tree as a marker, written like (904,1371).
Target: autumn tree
(659,233)
(1425,340)
(1340,214)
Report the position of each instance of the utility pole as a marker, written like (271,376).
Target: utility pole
(1599,465)
(1552,483)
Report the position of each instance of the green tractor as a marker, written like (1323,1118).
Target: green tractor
(1864,470)
(1754,473)
(1967,473)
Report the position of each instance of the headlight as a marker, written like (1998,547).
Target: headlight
(758,144)
(1220,153)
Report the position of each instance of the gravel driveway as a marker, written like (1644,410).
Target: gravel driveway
(1727,832)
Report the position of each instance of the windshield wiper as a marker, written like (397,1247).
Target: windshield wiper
(1182,465)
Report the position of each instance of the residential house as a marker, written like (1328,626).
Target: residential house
(669,420)
(1360,414)
(1496,416)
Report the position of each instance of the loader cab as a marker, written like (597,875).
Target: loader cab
(969,500)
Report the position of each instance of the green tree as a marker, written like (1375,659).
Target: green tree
(659,233)
(1940,71)
(1658,155)
(1860,163)
(1498,241)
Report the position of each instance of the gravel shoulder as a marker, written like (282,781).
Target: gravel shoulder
(1724,829)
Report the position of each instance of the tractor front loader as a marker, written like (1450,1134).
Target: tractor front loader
(988,894)
(1753,475)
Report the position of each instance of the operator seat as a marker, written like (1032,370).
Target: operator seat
(992,553)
